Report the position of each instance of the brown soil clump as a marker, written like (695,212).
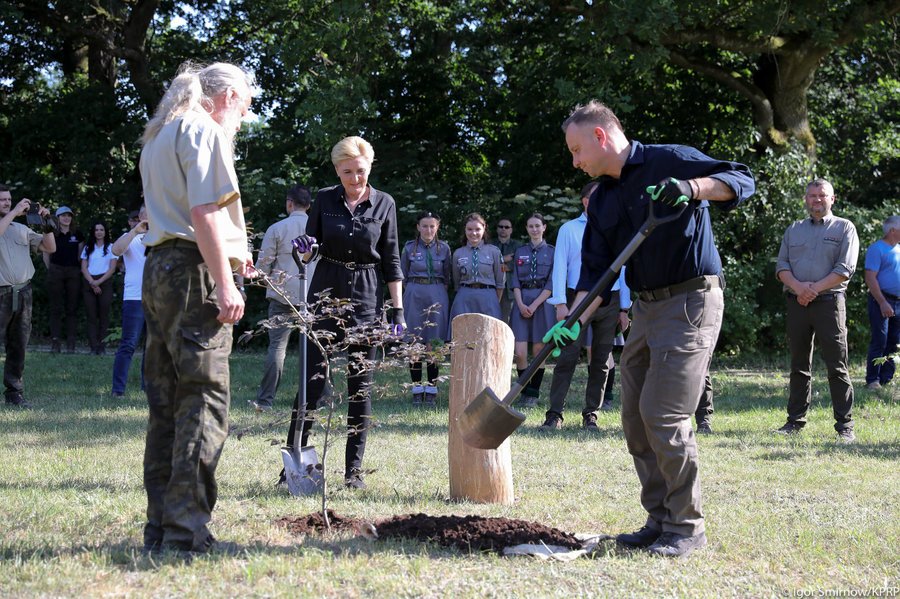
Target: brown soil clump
(473,533)
(315,523)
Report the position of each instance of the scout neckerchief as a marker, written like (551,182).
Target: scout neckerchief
(429,264)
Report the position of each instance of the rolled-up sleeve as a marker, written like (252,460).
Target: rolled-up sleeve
(849,253)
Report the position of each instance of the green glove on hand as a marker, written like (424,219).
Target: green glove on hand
(560,336)
(671,192)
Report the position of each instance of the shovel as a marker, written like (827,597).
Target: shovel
(302,470)
(488,421)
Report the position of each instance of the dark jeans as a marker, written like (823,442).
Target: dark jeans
(132,328)
(826,319)
(603,328)
(15,329)
(885,337)
(97,308)
(63,286)
(359,402)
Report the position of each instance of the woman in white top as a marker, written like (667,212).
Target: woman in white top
(98,264)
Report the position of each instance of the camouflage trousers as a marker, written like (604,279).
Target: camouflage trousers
(187,381)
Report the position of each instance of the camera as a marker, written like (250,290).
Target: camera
(34,219)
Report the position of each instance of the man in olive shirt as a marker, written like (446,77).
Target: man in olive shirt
(196,238)
(508,247)
(816,260)
(16,270)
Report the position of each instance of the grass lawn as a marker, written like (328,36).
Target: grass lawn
(785,516)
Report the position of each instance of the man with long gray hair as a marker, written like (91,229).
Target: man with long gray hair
(196,238)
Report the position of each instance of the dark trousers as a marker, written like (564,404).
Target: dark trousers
(705,407)
(15,329)
(603,329)
(885,337)
(825,319)
(188,395)
(359,401)
(97,307)
(63,288)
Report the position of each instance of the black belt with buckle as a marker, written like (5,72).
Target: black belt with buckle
(422,280)
(475,285)
(704,283)
(822,296)
(533,285)
(350,265)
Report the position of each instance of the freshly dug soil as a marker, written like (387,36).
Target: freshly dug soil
(466,533)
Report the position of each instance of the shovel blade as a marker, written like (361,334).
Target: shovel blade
(487,422)
(302,470)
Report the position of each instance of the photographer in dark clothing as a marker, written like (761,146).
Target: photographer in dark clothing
(64,279)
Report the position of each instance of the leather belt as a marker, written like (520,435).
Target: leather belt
(533,285)
(891,296)
(822,296)
(422,280)
(476,285)
(174,243)
(704,283)
(350,265)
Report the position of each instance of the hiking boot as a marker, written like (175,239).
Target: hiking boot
(704,428)
(16,399)
(639,539)
(790,428)
(589,421)
(354,479)
(873,386)
(260,407)
(672,544)
(553,422)
(418,395)
(846,436)
(430,399)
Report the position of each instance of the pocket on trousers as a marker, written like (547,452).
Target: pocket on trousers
(207,338)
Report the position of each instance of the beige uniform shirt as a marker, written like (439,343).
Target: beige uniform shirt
(276,260)
(189,163)
(812,250)
(16,245)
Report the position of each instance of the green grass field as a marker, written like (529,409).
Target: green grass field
(785,516)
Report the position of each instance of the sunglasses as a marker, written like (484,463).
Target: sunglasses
(504,226)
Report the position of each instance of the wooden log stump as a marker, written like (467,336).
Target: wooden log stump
(481,357)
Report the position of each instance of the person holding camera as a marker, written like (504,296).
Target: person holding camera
(64,280)
(16,270)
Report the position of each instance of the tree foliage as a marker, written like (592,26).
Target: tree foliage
(463,99)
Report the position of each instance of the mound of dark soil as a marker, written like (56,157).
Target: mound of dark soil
(466,533)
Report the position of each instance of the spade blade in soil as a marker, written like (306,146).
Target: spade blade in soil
(302,470)
(487,421)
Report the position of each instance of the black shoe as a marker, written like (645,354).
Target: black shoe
(354,479)
(671,544)
(589,421)
(789,428)
(552,423)
(16,399)
(703,428)
(639,539)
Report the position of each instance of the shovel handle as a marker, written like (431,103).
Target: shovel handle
(605,281)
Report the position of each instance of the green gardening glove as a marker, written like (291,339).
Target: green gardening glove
(671,192)
(560,336)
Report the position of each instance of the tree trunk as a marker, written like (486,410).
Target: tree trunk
(481,357)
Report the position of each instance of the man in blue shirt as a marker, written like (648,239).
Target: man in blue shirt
(883,279)
(677,277)
(599,336)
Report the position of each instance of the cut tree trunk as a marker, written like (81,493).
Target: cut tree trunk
(481,357)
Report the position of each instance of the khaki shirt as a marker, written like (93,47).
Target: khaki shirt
(276,260)
(813,250)
(16,245)
(188,164)
(483,269)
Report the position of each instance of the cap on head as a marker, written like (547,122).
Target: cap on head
(64,210)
